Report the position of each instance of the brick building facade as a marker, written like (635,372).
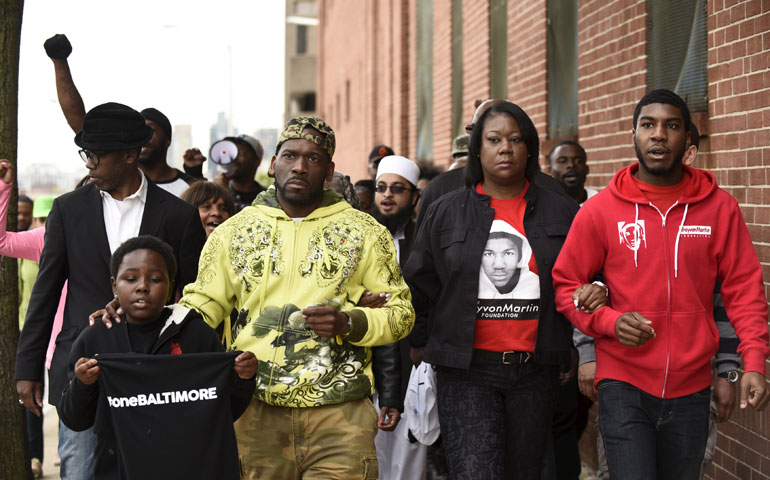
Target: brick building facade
(372,53)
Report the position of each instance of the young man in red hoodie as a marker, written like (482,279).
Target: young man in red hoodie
(661,234)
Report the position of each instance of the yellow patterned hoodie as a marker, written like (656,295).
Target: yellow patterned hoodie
(269,267)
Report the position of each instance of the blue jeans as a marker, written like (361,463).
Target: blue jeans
(76,450)
(495,419)
(649,437)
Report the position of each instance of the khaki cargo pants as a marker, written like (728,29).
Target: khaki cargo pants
(327,442)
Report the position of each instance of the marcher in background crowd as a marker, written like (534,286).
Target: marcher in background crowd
(365,192)
(214,203)
(341,184)
(427,173)
(459,151)
(23,213)
(567,163)
(497,359)
(239,178)
(152,158)
(378,153)
(673,230)
(236,174)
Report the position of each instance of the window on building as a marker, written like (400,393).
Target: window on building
(347,100)
(562,68)
(458,122)
(302,102)
(338,110)
(301,39)
(677,50)
(498,48)
(425,81)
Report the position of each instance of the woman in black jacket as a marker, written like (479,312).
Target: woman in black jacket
(497,350)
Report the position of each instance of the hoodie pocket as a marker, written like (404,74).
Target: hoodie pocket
(694,341)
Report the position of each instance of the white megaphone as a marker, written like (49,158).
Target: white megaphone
(223,153)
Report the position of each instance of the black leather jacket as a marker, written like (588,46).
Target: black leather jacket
(443,273)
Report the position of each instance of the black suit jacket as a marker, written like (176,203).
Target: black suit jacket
(76,249)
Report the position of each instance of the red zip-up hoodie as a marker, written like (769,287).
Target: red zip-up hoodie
(664,266)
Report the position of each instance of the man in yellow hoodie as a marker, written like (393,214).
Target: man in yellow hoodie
(294,265)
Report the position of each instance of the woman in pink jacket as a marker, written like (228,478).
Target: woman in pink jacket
(27,245)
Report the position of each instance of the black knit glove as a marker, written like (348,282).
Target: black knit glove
(58,46)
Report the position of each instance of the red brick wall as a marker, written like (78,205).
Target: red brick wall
(351,131)
(371,45)
(442,82)
(611,80)
(527,77)
(739,138)
(409,142)
(475,54)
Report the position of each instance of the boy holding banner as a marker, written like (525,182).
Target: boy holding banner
(142,405)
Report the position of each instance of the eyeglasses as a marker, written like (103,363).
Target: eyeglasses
(395,189)
(87,155)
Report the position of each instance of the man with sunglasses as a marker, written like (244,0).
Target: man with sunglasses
(395,200)
(395,196)
(83,229)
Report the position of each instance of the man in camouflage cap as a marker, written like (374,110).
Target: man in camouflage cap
(459,151)
(294,265)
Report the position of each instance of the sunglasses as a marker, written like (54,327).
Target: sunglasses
(395,189)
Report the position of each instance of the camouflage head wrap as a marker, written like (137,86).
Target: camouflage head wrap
(295,129)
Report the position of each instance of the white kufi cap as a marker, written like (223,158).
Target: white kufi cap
(400,166)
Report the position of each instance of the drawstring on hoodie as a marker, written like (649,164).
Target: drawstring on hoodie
(636,230)
(676,247)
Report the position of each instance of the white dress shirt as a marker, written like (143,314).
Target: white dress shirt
(122,219)
(397,237)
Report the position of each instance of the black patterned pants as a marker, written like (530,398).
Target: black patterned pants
(495,418)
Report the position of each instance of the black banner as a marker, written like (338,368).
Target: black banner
(171,414)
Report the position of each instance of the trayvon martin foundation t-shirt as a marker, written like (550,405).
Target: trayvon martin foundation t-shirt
(508,305)
(171,414)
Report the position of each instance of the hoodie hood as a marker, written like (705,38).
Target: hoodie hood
(702,183)
(331,203)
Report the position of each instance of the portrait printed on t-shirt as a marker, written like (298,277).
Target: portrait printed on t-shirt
(507,281)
